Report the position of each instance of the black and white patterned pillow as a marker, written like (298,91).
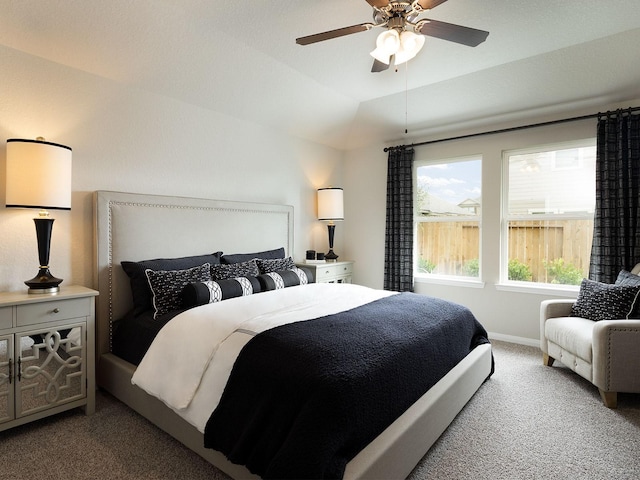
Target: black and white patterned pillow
(282,279)
(167,285)
(201,293)
(603,301)
(234,270)
(142,296)
(275,265)
(628,278)
(244,257)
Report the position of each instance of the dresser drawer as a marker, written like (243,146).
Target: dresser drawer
(53,311)
(345,269)
(329,272)
(324,272)
(5,317)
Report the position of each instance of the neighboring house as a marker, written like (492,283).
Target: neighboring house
(470,206)
(435,206)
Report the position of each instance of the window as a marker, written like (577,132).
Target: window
(447,217)
(548,221)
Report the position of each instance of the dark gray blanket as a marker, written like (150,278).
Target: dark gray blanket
(303,399)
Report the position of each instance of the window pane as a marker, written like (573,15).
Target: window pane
(550,204)
(448,210)
(448,248)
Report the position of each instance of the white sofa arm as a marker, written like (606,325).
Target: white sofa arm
(616,355)
(559,307)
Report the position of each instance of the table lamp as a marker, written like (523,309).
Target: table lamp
(330,208)
(39,176)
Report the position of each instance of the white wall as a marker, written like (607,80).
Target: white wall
(510,315)
(125,139)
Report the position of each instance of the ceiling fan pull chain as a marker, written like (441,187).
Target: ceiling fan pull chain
(406,97)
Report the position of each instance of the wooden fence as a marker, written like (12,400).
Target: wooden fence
(532,242)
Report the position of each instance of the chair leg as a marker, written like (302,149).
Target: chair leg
(547,360)
(610,399)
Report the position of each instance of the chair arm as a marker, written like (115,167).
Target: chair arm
(559,307)
(616,355)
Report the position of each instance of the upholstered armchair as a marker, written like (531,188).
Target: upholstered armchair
(605,352)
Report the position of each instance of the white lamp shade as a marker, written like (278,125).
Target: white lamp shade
(410,44)
(38,175)
(387,44)
(330,204)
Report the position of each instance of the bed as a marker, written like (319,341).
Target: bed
(136,227)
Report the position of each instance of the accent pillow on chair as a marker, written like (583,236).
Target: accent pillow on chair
(603,301)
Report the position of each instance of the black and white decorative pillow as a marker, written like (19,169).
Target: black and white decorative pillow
(275,265)
(234,270)
(282,279)
(231,288)
(201,293)
(603,301)
(630,279)
(245,257)
(136,271)
(167,285)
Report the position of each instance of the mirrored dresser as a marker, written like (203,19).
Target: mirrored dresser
(47,354)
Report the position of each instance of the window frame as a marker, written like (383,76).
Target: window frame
(444,279)
(517,285)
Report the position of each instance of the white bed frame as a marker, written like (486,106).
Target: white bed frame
(138,227)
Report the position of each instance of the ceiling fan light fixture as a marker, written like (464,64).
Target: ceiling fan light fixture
(387,44)
(410,44)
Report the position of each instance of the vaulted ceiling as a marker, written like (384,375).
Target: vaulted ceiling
(241,59)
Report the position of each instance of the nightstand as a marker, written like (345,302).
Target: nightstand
(47,354)
(330,272)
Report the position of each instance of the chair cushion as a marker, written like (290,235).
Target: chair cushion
(573,334)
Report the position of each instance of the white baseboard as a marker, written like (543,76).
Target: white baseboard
(531,342)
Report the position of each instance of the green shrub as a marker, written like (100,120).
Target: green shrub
(426,266)
(472,268)
(519,271)
(564,274)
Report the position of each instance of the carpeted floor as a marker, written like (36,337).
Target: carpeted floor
(534,422)
(527,422)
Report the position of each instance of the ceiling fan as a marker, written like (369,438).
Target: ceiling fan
(404,32)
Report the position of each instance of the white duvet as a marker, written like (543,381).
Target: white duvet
(189,362)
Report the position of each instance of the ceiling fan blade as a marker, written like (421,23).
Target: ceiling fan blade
(429,4)
(379,66)
(340,32)
(454,33)
(381,3)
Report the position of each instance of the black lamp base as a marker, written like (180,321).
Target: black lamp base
(330,256)
(44,282)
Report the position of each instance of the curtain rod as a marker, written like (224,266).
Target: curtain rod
(521,127)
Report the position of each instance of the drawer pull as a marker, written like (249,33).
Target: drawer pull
(55,310)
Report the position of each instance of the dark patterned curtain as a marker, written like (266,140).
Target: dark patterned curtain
(616,232)
(398,249)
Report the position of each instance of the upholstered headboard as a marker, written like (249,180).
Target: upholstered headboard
(136,227)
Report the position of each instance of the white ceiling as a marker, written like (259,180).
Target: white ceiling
(241,59)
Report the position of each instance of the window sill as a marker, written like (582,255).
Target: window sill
(523,287)
(453,281)
(540,288)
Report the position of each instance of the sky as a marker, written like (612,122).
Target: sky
(453,182)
